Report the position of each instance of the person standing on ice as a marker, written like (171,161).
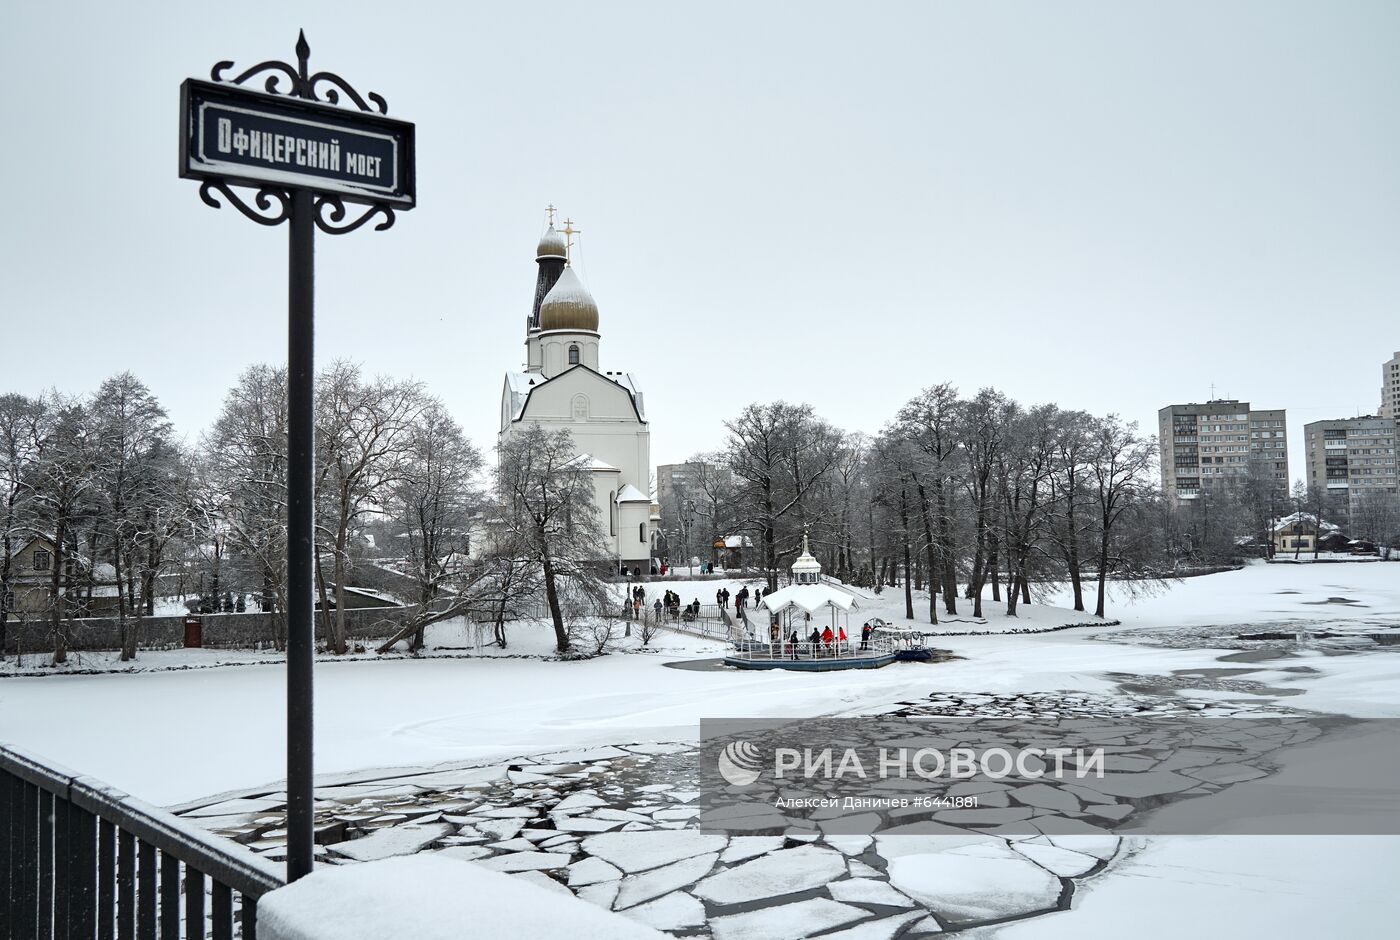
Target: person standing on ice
(657,608)
(719,597)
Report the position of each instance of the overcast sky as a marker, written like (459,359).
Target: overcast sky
(1106,205)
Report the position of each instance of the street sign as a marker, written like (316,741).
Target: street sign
(246,137)
(306,158)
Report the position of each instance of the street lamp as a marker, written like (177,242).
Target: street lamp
(686,523)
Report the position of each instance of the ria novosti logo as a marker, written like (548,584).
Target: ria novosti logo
(739,763)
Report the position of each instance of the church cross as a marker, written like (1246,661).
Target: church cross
(569,233)
(550,209)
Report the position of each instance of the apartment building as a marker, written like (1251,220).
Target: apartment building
(1218,443)
(1352,458)
(1390,388)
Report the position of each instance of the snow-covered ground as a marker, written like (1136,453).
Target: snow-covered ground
(377,712)
(172,736)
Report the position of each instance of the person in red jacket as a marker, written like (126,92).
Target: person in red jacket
(827,637)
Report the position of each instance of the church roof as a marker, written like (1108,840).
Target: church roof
(568,306)
(592,463)
(521,384)
(552,245)
(630,494)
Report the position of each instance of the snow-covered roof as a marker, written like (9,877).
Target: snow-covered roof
(806,564)
(808,597)
(520,384)
(738,541)
(568,306)
(1306,519)
(629,381)
(630,494)
(552,245)
(589,462)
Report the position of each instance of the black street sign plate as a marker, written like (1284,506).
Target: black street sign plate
(253,139)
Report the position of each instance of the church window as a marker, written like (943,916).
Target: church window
(612,513)
(641,532)
(580,406)
(573,355)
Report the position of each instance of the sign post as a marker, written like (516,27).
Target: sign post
(306,157)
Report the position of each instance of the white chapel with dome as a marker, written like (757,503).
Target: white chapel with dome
(563,386)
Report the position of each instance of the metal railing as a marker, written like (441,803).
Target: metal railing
(874,648)
(79,859)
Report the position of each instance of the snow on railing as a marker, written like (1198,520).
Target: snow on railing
(79,858)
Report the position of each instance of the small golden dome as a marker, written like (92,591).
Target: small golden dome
(568,306)
(552,245)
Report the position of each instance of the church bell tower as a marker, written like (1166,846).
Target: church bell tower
(552,256)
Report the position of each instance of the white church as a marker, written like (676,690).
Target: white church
(563,387)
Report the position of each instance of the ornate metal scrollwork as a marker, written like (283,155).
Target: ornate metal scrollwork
(327,210)
(333,97)
(302,84)
(279,70)
(329,222)
(263,215)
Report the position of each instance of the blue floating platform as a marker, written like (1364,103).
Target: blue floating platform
(820,664)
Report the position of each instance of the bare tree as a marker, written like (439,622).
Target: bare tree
(24,425)
(1120,474)
(780,455)
(712,490)
(1028,494)
(983,429)
(1376,517)
(433,502)
(239,492)
(1068,473)
(64,473)
(547,498)
(133,453)
(930,423)
(364,433)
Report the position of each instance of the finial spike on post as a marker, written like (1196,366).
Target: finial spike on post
(303,55)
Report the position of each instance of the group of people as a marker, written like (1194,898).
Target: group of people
(637,599)
(668,604)
(671,601)
(741,597)
(824,642)
(664,565)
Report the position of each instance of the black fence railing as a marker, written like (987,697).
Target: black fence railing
(79,859)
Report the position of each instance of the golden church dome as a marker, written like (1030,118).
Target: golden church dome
(552,245)
(568,306)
